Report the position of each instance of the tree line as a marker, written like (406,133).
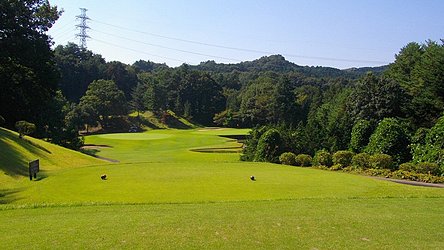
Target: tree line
(398,113)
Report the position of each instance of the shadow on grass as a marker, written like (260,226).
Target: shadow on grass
(90,151)
(40,176)
(13,162)
(8,195)
(235,149)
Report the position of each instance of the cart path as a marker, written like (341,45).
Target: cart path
(413,183)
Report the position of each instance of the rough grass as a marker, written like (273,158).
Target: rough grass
(164,195)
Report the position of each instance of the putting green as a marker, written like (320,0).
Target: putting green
(135,136)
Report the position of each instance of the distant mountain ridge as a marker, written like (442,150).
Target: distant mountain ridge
(278,63)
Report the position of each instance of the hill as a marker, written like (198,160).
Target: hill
(15,153)
(278,63)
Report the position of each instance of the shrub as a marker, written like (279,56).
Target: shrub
(378,172)
(428,168)
(303,160)
(420,135)
(390,137)
(431,148)
(361,160)
(269,147)
(288,158)
(382,161)
(24,128)
(360,135)
(408,166)
(413,176)
(322,158)
(343,158)
(336,167)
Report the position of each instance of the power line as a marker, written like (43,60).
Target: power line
(165,47)
(64,34)
(138,51)
(237,49)
(58,31)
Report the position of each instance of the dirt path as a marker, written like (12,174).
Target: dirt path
(413,183)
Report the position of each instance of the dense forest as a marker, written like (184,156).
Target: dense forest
(394,110)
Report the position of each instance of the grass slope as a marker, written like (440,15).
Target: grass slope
(15,153)
(164,195)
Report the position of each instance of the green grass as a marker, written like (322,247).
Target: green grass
(15,154)
(296,224)
(162,194)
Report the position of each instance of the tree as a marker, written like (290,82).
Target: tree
(419,70)
(137,102)
(403,67)
(328,126)
(78,68)
(152,93)
(375,98)
(257,102)
(269,147)
(360,135)
(284,102)
(431,149)
(123,76)
(28,76)
(147,66)
(249,149)
(103,99)
(391,137)
(24,128)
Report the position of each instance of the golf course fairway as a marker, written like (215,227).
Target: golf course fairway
(187,189)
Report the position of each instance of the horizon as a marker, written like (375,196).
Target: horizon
(344,34)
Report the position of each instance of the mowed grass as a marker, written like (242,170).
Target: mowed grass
(394,223)
(161,194)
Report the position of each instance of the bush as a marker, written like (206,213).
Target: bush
(24,128)
(378,172)
(428,168)
(431,148)
(269,147)
(303,160)
(390,137)
(408,166)
(322,158)
(413,176)
(336,167)
(360,135)
(288,158)
(343,158)
(382,161)
(361,160)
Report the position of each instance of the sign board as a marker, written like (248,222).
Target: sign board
(34,167)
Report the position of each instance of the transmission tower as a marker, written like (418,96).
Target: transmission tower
(82,27)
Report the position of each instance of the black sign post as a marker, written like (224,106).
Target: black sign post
(33,169)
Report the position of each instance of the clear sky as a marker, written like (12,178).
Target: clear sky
(339,33)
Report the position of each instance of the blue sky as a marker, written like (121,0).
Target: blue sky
(340,33)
